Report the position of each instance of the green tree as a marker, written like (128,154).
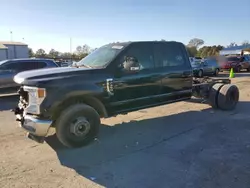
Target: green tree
(40,53)
(84,49)
(82,55)
(53,54)
(78,49)
(31,53)
(195,42)
(207,51)
(192,51)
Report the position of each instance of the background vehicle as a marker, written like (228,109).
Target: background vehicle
(9,68)
(114,79)
(205,67)
(244,63)
(238,63)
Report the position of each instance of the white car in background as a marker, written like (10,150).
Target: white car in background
(194,60)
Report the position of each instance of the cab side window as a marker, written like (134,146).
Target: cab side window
(170,54)
(143,54)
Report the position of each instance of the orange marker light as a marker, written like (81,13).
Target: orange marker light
(41,93)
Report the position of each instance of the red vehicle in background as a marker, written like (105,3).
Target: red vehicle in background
(238,63)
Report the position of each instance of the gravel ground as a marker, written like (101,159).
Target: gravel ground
(186,144)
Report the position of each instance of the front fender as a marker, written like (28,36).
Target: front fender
(56,97)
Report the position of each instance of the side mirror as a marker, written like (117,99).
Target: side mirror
(131,64)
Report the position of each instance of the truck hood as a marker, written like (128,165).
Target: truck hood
(47,74)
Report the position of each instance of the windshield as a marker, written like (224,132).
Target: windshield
(233,59)
(101,56)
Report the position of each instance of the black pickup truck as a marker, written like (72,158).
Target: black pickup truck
(114,79)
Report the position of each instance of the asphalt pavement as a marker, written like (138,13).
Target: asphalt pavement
(185,144)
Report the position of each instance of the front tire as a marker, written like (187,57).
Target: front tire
(77,125)
(238,69)
(216,72)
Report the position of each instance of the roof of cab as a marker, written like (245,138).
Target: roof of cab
(153,41)
(124,44)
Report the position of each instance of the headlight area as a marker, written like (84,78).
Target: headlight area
(35,98)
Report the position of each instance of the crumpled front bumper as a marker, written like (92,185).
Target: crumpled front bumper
(32,124)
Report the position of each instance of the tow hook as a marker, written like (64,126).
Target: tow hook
(17,111)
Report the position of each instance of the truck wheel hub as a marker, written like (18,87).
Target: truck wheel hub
(80,126)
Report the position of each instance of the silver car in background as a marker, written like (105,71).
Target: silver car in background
(9,68)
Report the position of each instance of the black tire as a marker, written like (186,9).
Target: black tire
(213,95)
(65,125)
(216,72)
(248,69)
(228,97)
(238,69)
(200,73)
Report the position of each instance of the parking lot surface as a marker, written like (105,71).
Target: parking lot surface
(185,144)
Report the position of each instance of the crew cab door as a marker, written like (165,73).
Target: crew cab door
(135,89)
(175,70)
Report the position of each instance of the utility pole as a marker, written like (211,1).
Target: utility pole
(71,48)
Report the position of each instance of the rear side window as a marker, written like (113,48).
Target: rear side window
(169,55)
(211,62)
(31,65)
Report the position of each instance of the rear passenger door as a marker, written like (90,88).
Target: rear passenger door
(175,69)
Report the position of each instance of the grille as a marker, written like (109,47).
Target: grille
(24,97)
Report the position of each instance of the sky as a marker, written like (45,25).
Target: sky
(51,24)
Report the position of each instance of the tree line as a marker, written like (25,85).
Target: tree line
(79,53)
(194,50)
(193,47)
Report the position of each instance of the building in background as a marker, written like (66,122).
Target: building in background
(236,50)
(13,50)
